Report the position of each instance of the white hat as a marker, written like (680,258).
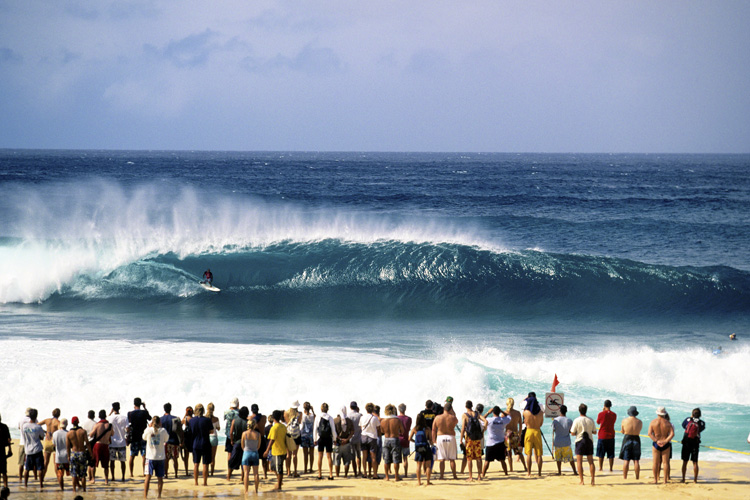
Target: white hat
(295,404)
(661,411)
(234,403)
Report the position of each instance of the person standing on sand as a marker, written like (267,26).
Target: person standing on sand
(214,436)
(276,450)
(250,456)
(444,437)
(605,444)
(173,426)
(496,439)
(691,442)
(561,440)
(33,435)
(201,427)
(513,435)
(471,437)
(369,424)
(118,446)
(661,433)
(404,441)
(156,438)
(354,415)
(51,424)
(100,435)
(230,415)
(62,462)
(324,433)
(342,448)
(631,443)
(533,418)
(22,446)
(88,426)
(393,430)
(138,420)
(5,442)
(187,438)
(77,444)
(292,418)
(306,437)
(584,429)
(237,428)
(422,437)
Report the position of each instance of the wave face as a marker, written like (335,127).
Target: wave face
(69,247)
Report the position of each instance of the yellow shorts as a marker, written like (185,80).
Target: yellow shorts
(49,446)
(563,454)
(533,441)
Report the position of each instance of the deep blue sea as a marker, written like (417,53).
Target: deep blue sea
(376,277)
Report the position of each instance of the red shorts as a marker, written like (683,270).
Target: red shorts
(101,454)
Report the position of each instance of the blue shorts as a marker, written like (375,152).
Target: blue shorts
(605,447)
(250,458)
(35,461)
(154,468)
(138,447)
(307,441)
(204,453)
(631,448)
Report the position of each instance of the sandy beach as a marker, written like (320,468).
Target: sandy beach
(726,480)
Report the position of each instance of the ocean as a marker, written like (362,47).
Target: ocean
(383,277)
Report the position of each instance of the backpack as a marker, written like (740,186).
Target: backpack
(692,429)
(293,429)
(474,428)
(324,428)
(420,442)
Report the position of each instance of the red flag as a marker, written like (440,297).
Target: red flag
(555,383)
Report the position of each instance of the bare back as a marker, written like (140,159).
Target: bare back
(391,427)
(660,430)
(515,421)
(78,440)
(632,426)
(445,424)
(103,429)
(52,424)
(533,421)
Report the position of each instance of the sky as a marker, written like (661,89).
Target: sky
(492,76)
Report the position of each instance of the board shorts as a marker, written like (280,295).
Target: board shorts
(117,453)
(202,453)
(250,458)
(101,455)
(343,454)
(138,447)
(171,451)
(513,442)
(63,468)
(369,444)
(21,455)
(496,452)
(690,449)
(78,464)
(533,442)
(585,446)
(631,448)
(473,449)
(35,461)
(605,447)
(563,454)
(154,468)
(446,447)
(277,463)
(391,451)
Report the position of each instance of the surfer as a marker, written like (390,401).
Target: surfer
(208,277)
(732,336)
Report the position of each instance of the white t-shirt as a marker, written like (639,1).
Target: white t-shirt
(369,425)
(33,435)
(25,420)
(583,424)
(119,423)
(155,441)
(88,426)
(317,424)
(59,437)
(355,417)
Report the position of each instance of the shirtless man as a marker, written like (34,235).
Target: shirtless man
(77,441)
(661,433)
(392,429)
(513,435)
(444,437)
(52,425)
(533,417)
(631,443)
(101,435)
(471,422)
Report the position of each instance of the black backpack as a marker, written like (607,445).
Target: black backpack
(474,428)
(324,428)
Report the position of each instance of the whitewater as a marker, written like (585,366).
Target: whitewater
(383,277)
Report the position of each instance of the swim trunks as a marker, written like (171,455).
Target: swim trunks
(690,449)
(473,449)
(605,447)
(631,448)
(101,455)
(63,467)
(35,461)
(78,463)
(171,451)
(154,468)
(585,446)
(342,455)
(391,451)
(533,441)
(446,447)
(204,453)
(118,453)
(496,452)
(667,446)
(563,454)
(514,442)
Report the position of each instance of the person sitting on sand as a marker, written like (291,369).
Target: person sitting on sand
(444,437)
(661,433)
(422,438)
(631,443)
(533,417)
(561,440)
(691,442)
(584,429)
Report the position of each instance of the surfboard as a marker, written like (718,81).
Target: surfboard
(209,287)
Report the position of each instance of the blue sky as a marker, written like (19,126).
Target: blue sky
(557,76)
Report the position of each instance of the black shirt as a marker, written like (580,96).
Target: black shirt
(138,420)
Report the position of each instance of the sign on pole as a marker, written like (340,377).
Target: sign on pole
(552,403)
